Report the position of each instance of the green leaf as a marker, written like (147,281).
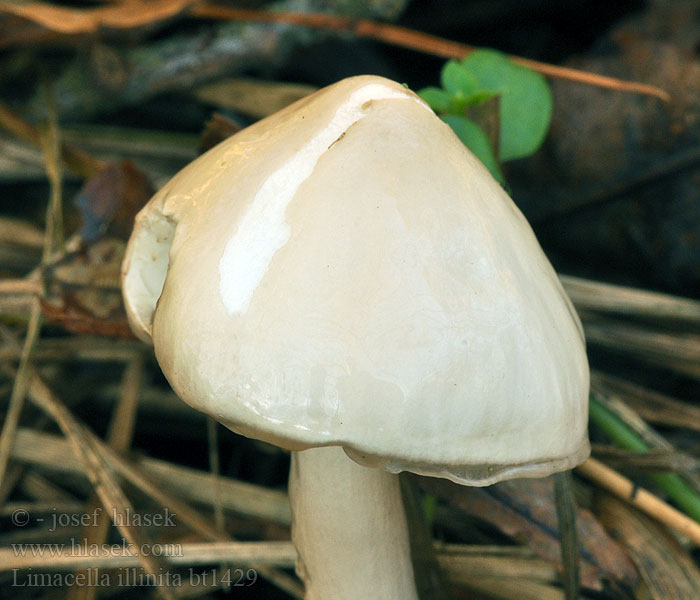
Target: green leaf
(479,97)
(457,80)
(525,101)
(459,103)
(474,138)
(439,100)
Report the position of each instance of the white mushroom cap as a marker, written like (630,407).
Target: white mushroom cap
(345,272)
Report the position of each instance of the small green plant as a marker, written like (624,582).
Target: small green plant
(523,98)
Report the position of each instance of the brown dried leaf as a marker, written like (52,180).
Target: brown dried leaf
(610,157)
(111,199)
(524,509)
(75,318)
(124,15)
(216,130)
(97,266)
(84,294)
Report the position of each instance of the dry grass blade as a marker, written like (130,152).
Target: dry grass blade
(185,514)
(679,352)
(80,348)
(468,563)
(119,436)
(51,144)
(19,390)
(17,300)
(109,492)
(665,566)
(651,406)
(515,589)
(53,240)
(281,554)
(13,475)
(28,286)
(20,233)
(121,426)
(251,96)
(622,487)
(19,161)
(465,565)
(76,160)
(652,461)
(38,487)
(47,507)
(191,517)
(53,453)
(605,297)
(601,390)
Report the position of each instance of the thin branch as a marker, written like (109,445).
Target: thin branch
(415,40)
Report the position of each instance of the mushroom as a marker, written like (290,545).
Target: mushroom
(346,280)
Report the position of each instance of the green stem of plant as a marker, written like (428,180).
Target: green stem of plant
(674,485)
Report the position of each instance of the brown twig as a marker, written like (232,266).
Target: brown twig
(415,40)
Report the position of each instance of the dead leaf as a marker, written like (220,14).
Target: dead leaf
(524,510)
(111,199)
(73,317)
(665,566)
(84,293)
(216,130)
(618,176)
(124,15)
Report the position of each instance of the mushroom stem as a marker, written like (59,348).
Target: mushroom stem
(349,528)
